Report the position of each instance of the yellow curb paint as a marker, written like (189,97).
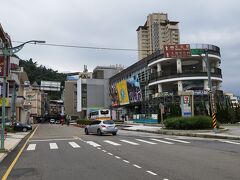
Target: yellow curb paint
(18,155)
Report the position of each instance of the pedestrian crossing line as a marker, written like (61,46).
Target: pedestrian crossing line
(117,157)
(93,144)
(177,140)
(148,142)
(112,143)
(139,167)
(152,173)
(129,142)
(53,146)
(158,140)
(230,142)
(74,145)
(31,147)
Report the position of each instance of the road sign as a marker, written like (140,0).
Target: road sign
(197,51)
(177,51)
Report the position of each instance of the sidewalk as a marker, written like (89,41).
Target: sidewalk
(226,131)
(11,142)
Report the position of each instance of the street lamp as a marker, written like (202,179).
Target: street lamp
(6,53)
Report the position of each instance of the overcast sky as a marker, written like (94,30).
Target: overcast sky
(113,23)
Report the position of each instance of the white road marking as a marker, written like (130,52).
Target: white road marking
(93,143)
(74,145)
(152,173)
(40,140)
(230,142)
(126,161)
(137,166)
(53,146)
(99,148)
(158,140)
(117,157)
(177,140)
(104,150)
(113,143)
(165,179)
(148,142)
(31,147)
(129,142)
(110,154)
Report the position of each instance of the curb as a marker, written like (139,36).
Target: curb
(189,134)
(14,146)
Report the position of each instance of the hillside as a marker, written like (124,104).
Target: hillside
(40,73)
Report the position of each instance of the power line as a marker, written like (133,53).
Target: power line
(84,47)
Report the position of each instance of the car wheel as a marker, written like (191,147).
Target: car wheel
(24,129)
(86,131)
(99,133)
(114,134)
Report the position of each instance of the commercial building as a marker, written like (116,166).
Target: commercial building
(137,91)
(157,31)
(83,93)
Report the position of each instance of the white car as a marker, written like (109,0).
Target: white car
(52,121)
(100,127)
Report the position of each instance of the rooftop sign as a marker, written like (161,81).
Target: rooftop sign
(177,51)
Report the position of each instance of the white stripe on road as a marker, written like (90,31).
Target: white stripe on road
(126,161)
(158,140)
(31,147)
(177,140)
(74,145)
(137,166)
(93,143)
(152,173)
(149,142)
(40,140)
(230,142)
(117,157)
(110,154)
(113,143)
(53,146)
(104,150)
(129,142)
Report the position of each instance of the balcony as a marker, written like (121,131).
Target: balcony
(169,74)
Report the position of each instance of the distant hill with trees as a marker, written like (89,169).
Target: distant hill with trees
(37,73)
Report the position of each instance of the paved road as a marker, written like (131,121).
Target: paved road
(61,152)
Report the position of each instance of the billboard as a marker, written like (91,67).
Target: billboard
(122,92)
(134,90)
(114,95)
(50,86)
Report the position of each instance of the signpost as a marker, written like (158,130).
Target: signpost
(177,51)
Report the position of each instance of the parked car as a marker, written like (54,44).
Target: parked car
(18,126)
(52,121)
(100,127)
(58,121)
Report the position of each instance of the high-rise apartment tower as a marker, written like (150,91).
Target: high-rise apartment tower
(156,32)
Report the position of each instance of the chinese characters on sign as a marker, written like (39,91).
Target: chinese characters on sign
(177,51)
(2,66)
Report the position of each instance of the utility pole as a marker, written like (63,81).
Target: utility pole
(211,93)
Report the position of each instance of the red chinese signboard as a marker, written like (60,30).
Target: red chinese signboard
(177,51)
(2,66)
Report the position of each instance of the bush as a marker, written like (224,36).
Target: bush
(196,122)
(83,122)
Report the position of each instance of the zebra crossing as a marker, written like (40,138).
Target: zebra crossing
(120,142)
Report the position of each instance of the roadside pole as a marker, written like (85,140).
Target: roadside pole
(3,102)
(161,107)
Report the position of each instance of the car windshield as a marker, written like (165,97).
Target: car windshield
(108,122)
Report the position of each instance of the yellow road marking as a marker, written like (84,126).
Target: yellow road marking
(18,155)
